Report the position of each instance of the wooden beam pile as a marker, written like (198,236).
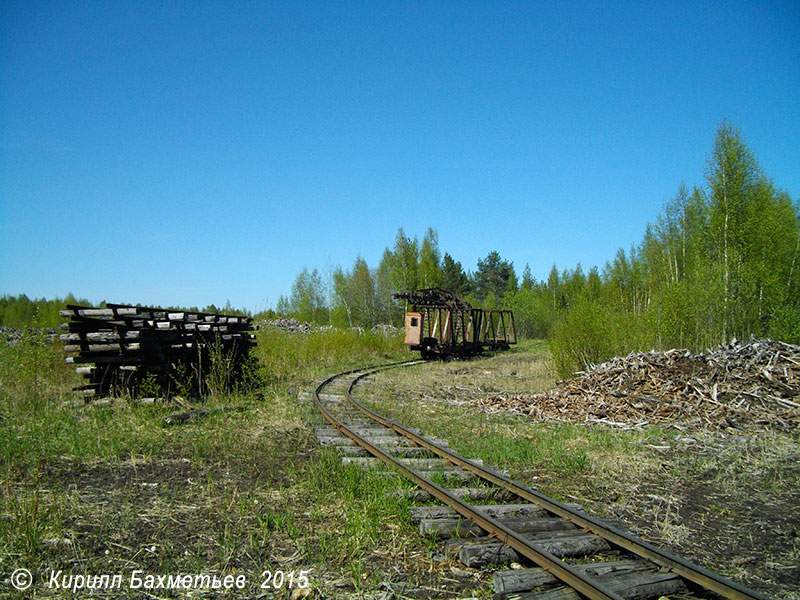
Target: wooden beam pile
(123,349)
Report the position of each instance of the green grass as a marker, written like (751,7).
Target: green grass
(38,420)
(241,490)
(290,357)
(363,505)
(557,455)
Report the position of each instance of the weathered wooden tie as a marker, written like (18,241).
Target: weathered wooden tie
(631,579)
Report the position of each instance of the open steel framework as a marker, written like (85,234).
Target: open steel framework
(440,323)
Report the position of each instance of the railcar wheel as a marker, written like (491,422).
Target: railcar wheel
(428,349)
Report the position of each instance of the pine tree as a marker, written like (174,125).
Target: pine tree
(494,276)
(527,279)
(453,277)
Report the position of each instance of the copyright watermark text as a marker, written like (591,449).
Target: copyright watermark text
(22,579)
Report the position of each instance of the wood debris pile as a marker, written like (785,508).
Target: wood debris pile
(739,386)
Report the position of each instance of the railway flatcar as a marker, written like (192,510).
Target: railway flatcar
(440,324)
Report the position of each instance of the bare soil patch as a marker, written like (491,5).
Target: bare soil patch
(726,502)
(166,515)
(265,498)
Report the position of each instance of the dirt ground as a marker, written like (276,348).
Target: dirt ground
(256,509)
(729,503)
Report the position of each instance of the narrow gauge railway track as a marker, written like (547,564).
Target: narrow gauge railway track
(534,526)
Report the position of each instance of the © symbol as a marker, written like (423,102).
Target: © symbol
(21,579)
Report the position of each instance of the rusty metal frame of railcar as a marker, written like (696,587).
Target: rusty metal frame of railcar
(682,567)
(498,327)
(433,298)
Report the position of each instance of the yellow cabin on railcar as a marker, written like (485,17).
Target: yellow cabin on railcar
(413,328)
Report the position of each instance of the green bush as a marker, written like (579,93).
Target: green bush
(592,332)
(32,371)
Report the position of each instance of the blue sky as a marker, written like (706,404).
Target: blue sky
(188,153)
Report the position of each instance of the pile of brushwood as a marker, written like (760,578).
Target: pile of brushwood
(735,387)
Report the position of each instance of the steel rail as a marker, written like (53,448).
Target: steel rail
(689,571)
(563,571)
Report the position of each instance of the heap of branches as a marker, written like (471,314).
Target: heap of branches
(738,387)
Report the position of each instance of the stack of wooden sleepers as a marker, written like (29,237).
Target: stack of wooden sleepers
(121,348)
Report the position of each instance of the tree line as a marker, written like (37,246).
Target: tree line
(362,295)
(20,312)
(721,260)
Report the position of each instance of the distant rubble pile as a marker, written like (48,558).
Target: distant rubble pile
(385,329)
(13,336)
(287,324)
(294,326)
(735,387)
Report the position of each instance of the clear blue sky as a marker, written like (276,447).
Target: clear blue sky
(188,153)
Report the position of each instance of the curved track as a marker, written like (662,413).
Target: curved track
(408,451)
